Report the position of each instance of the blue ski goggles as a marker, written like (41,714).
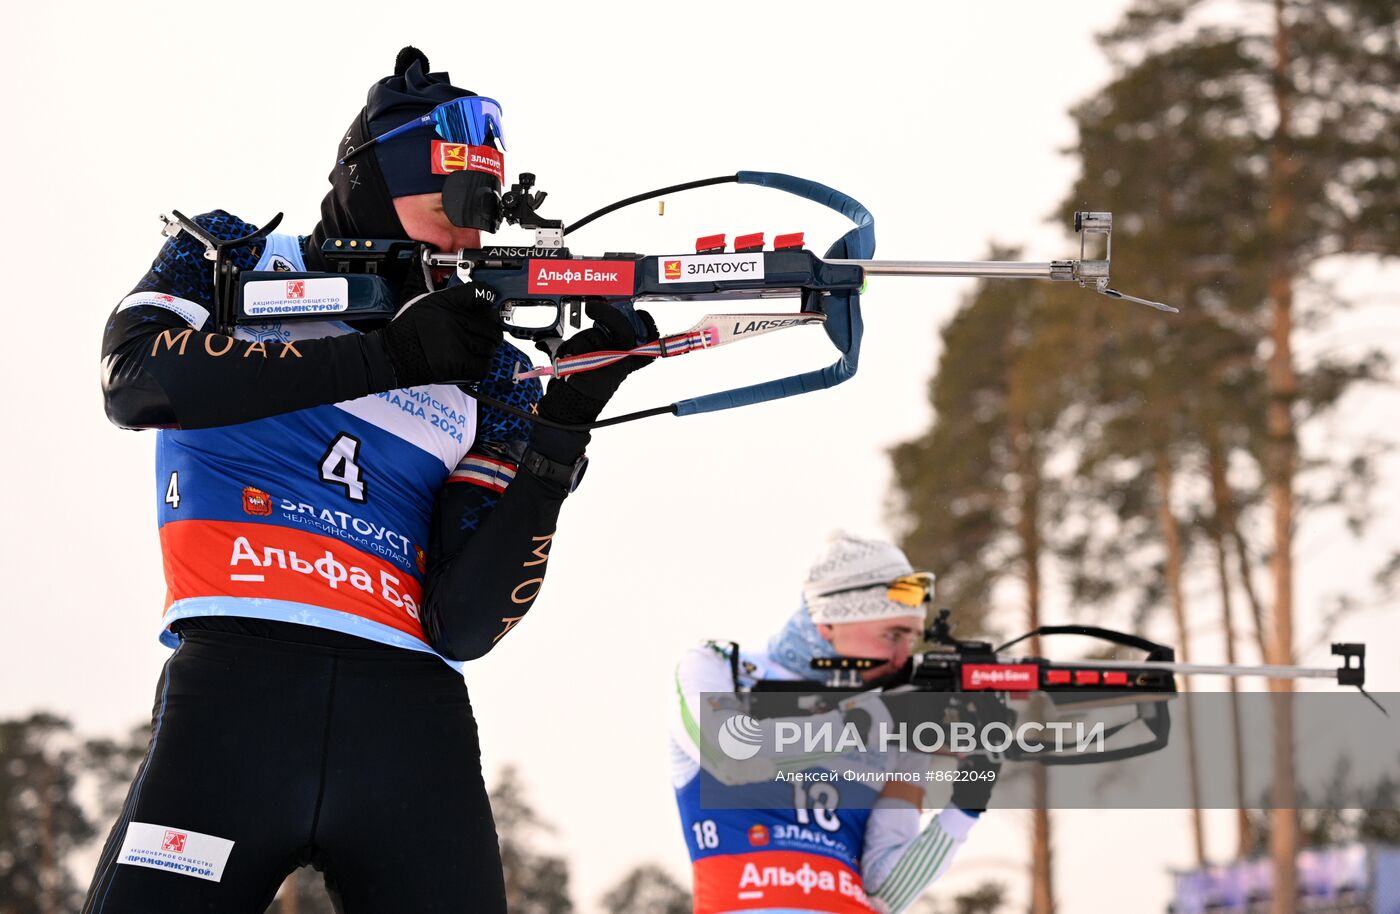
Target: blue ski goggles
(463,120)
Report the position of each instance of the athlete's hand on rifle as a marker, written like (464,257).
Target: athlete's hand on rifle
(580,398)
(444,336)
(977,774)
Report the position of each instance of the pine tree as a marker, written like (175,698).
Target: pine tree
(112,765)
(537,882)
(41,822)
(1275,131)
(647,889)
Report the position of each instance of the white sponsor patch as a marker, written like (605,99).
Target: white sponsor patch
(193,314)
(176,850)
(709,267)
(275,297)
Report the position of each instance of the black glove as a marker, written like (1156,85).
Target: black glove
(973,794)
(444,336)
(580,398)
(981,772)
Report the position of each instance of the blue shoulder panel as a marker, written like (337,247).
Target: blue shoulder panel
(180,268)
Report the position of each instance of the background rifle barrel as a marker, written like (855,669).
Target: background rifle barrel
(983,269)
(1209,669)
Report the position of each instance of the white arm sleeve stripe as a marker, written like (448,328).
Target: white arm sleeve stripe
(923,860)
(894,821)
(892,825)
(701,670)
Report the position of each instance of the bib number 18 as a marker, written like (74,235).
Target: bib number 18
(706,834)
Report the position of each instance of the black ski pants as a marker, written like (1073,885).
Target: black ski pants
(363,762)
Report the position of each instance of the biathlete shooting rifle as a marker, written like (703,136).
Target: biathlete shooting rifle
(542,289)
(981,680)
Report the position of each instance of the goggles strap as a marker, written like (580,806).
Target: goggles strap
(894,590)
(465,115)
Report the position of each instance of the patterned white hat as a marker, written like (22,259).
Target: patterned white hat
(849,582)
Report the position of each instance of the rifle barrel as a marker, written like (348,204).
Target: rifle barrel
(1210,669)
(982,269)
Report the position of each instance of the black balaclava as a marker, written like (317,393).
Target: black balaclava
(361,199)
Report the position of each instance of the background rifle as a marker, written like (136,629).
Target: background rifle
(982,683)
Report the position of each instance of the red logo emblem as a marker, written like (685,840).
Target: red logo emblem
(166,298)
(174,841)
(673,269)
(296,288)
(758,835)
(421,559)
(256,502)
(450,157)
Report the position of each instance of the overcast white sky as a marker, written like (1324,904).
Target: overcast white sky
(945,120)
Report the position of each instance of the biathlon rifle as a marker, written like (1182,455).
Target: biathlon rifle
(542,289)
(981,680)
